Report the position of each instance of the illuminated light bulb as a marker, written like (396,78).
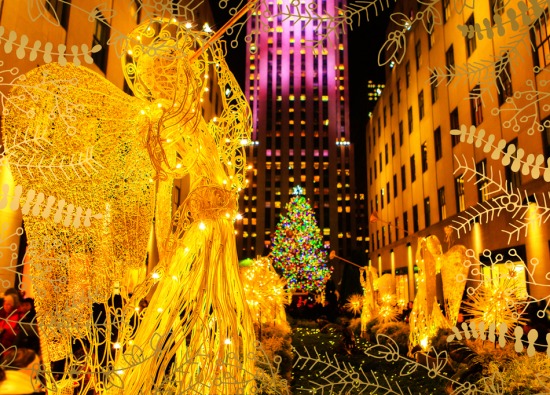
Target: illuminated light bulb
(151,180)
(206,89)
(120,372)
(188,25)
(142,112)
(139,38)
(175,278)
(227,341)
(201,100)
(202,226)
(160,309)
(117,346)
(155,275)
(206,76)
(229,164)
(168,140)
(244,142)
(224,182)
(130,342)
(247,181)
(215,119)
(249,167)
(136,309)
(236,232)
(129,52)
(238,217)
(227,215)
(206,28)
(178,166)
(227,140)
(159,105)
(174,20)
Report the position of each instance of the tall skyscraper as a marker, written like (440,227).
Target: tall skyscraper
(297,81)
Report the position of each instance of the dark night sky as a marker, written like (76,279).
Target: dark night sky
(364,42)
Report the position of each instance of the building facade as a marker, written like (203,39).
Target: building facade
(483,192)
(73,24)
(297,81)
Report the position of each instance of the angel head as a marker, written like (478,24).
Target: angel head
(157,65)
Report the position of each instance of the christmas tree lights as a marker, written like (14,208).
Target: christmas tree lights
(298,251)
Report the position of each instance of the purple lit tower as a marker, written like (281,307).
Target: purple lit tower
(299,98)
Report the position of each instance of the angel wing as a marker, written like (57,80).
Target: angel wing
(72,136)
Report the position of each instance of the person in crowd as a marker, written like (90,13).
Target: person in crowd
(9,320)
(20,373)
(28,330)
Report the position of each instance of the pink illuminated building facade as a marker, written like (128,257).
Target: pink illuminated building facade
(298,93)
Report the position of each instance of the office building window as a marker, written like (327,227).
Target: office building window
(386,152)
(512,177)
(421,105)
(476,105)
(400,133)
(403,178)
(471,43)
(540,35)
(415,218)
(437,144)
(380,161)
(546,137)
(455,139)
(433,87)
(446,10)
(383,236)
(393,144)
(391,104)
(382,192)
(459,193)
(385,116)
(398,88)
(496,7)
(424,152)
(395,185)
(450,62)
(413,169)
(388,193)
(441,203)
(60,10)
(396,227)
(418,54)
(406,221)
(410,119)
(481,181)
(504,78)
(430,27)
(375,169)
(102,32)
(407,74)
(427,213)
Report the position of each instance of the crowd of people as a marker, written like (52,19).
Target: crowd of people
(19,345)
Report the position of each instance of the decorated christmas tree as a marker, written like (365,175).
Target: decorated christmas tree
(298,251)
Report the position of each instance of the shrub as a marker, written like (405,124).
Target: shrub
(397,331)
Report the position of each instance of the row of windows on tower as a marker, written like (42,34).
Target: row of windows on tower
(482,190)
(476,111)
(476,108)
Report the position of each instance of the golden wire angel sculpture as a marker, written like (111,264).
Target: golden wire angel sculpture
(72,136)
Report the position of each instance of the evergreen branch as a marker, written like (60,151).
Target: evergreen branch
(24,49)
(510,200)
(528,15)
(508,154)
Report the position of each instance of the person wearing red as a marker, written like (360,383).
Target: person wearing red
(9,320)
